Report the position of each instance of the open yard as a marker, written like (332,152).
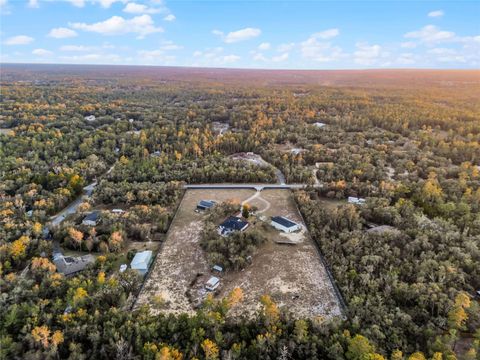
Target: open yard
(292,274)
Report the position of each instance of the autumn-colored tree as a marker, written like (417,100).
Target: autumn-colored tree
(18,249)
(76,237)
(210,349)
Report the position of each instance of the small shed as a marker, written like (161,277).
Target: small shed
(283,224)
(319,124)
(90,118)
(217,268)
(91,219)
(356,200)
(205,205)
(123,267)
(212,283)
(141,261)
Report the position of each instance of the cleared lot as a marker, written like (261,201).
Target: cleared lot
(292,274)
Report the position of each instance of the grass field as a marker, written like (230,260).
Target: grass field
(292,274)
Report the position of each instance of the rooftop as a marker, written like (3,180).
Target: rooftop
(283,221)
(206,203)
(234,223)
(141,259)
(68,265)
(93,216)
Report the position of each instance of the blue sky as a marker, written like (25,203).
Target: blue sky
(248,34)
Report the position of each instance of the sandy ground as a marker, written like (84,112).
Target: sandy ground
(292,274)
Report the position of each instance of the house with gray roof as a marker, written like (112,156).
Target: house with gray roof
(69,265)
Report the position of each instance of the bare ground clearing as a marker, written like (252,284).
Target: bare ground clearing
(292,274)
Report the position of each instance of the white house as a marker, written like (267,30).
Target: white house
(283,224)
(212,283)
(90,118)
(141,261)
(356,200)
(319,124)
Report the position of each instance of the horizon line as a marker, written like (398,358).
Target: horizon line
(244,68)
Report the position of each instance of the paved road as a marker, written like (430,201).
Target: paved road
(258,187)
(72,207)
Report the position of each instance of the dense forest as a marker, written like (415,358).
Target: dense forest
(410,147)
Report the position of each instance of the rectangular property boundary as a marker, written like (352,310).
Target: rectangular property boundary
(336,289)
(147,276)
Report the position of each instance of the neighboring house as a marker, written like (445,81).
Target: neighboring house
(232,224)
(212,283)
(217,268)
(141,261)
(283,224)
(356,200)
(205,205)
(91,219)
(46,234)
(69,265)
(90,118)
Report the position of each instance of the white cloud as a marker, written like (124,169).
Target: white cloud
(116,25)
(239,35)
(33,4)
(93,58)
(77,3)
(62,33)
(280,58)
(169,17)
(259,57)
(228,59)
(213,57)
(264,46)
(431,34)
(369,54)
(134,8)
(320,51)
(285,47)
(75,48)
(436,13)
(408,45)
(19,40)
(326,34)
(107,3)
(42,52)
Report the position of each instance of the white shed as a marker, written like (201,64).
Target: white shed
(356,200)
(283,224)
(141,262)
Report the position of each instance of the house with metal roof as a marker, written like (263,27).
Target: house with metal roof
(69,265)
(232,224)
(356,200)
(141,261)
(212,283)
(91,219)
(283,224)
(205,205)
